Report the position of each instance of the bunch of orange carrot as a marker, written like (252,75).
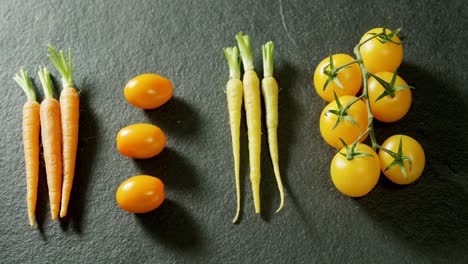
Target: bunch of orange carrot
(57,123)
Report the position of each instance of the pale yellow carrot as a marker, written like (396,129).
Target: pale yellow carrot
(270,96)
(234,93)
(253,114)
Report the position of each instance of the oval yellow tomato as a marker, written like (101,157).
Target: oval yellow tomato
(388,109)
(350,77)
(411,149)
(141,141)
(148,91)
(379,57)
(358,176)
(140,194)
(346,130)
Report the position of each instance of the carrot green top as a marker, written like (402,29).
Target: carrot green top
(61,65)
(232,56)
(245,50)
(268,58)
(23,80)
(44,76)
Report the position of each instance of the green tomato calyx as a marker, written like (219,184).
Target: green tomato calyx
(352,152)
(342,112)
(389,87)
(399,159)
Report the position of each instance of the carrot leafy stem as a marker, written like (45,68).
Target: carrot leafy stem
(232,56)
(243,41)
(23,80)
(61,64)
(44,76)
(268,58)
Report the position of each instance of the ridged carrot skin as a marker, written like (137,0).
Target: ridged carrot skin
(52,144)
(234,93)
(51,141)
(253,114)
(31,134)
(70,115)
(270,95)
(254,131)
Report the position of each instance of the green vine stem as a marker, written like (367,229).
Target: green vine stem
(365,93)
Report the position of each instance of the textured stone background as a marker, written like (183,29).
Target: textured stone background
(116,40)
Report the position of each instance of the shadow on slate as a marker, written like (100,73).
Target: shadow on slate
(173,169)
(284,75)
(429,215)
(85,158)
(42,202)
(246,203)
(172,225)
(176,118)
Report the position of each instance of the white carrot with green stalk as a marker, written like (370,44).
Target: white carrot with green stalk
(253,114)
(234,93)
(270,95)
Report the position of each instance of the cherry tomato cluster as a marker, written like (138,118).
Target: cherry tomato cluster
(143,193)
(347,120)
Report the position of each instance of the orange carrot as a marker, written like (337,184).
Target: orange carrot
(51,142)
(70,109)
(31,130)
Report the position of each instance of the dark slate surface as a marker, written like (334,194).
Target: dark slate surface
(116,40)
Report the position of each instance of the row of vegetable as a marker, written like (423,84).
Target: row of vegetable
(143,193)
(358,90)
(248,90)
(57,123)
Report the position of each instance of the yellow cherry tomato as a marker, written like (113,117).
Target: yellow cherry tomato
(350,77)
(411,149)
(388,109)
(381,57)
(140,194)
(346,130)
(141,141)
(358,176)
(148,91)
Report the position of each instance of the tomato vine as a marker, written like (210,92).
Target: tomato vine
(383,37)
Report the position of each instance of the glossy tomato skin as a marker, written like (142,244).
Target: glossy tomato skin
(388,109)
(356,177)
(412,149)
(350,78)
(148,91)
(381,57)
(141,141)
(345,130)
(140,194)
